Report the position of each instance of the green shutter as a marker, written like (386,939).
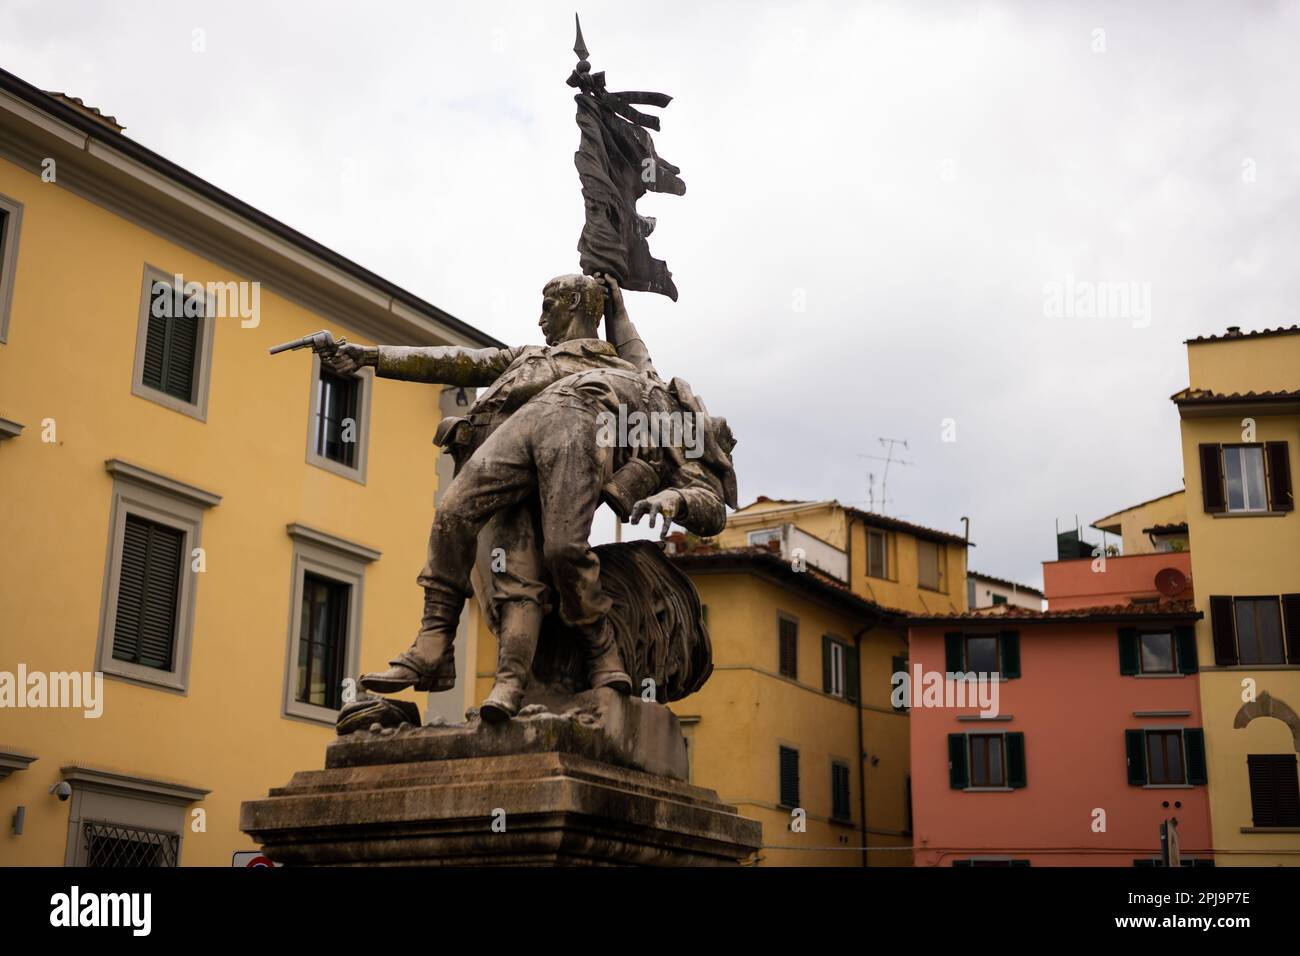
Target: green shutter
(1009,644)
(826,664)
(952,653)
(1135,745)
(1016,760)
(789,777)
(958,775)
(149,582)
(851,681)
(1129,652)
(1185,638)
(1194,745)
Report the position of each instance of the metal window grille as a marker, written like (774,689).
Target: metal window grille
(115,846)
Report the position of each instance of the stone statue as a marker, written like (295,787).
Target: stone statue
(534,458)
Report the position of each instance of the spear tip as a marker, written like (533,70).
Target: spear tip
(579,45)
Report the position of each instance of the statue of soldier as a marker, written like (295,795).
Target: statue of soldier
(528,460)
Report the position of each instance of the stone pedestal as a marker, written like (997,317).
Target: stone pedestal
(575,788)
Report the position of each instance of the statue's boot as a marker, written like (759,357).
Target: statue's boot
(428,665)
(604,663)
(520,625)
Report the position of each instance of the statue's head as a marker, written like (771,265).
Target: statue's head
(572,307)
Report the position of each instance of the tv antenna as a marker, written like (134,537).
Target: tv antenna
(889,444)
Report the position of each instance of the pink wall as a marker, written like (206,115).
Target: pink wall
(1073,706)
(1072,584)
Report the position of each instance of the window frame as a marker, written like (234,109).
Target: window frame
(940,552)
(798,781)
(1276,600)
(1173,670)
(10,233)
(783,617)
(1250,783)
(996,638)
(839,655)
(970,762)
(1150,732)
(169,502)
(103,796)
(1240,448)
(775,534)
(357,471)
(198,408)
(884,553)
(847,815)
(334,559)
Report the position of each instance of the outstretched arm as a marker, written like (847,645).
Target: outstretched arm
(437,364)
(692,498)
(619,330)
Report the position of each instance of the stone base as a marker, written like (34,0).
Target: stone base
(600,782)
(559,809)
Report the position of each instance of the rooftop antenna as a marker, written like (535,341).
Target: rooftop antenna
(888,458)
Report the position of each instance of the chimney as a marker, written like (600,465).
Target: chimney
(1234,331)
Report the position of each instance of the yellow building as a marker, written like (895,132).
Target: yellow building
(1240,431)
(1150,527)
(211,528)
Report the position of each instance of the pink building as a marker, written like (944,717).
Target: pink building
(1136,578)
(1093,739)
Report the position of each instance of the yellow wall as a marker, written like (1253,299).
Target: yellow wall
(901,589)
(69,358)
(1242,557)
(747,710)
(825,519)
(1169,509)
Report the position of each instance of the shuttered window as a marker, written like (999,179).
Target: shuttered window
(1165,757)
(983,654)
(1251,630)
(789,758)
(1246,478)
(839,668)
(877,554)
(1274,790)
(148,593)
(322,641)
(171,347)
(788,647)
(337,430)
(929,565)
(840,792)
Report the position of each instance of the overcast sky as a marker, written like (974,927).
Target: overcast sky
(879,199)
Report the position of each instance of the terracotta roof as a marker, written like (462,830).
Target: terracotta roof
(1004,582)
(1180,528)
(877,520)
(1010,613)
(1234,333)
(1203,396)
(765,559)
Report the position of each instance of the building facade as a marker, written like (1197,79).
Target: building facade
(1240,423)
(210,528)
(984,590)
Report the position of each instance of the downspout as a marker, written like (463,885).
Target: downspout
(862,755)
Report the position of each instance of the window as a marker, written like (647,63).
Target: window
(324,631)
(840,791)
(929,563)
(119,820)
(1274,790)
(1165,757)
(788,649)
(898,666)
(839,668)
(322,641)
(11,215)
(109,845)
(339,431)
(986,761)
(173,344)
(877,553)
(1156,653)
(1243,469)
(764,538)
(1255,630)
(1246,479)
(147,620)
(997,599)
(789,758)
(983,654)
(148,592)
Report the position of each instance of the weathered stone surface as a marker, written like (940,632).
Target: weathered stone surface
(556,808)
(602,724)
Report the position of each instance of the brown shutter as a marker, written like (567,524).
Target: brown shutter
(1291,626)
(1212,478)
(1224,630)
(1279,476)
